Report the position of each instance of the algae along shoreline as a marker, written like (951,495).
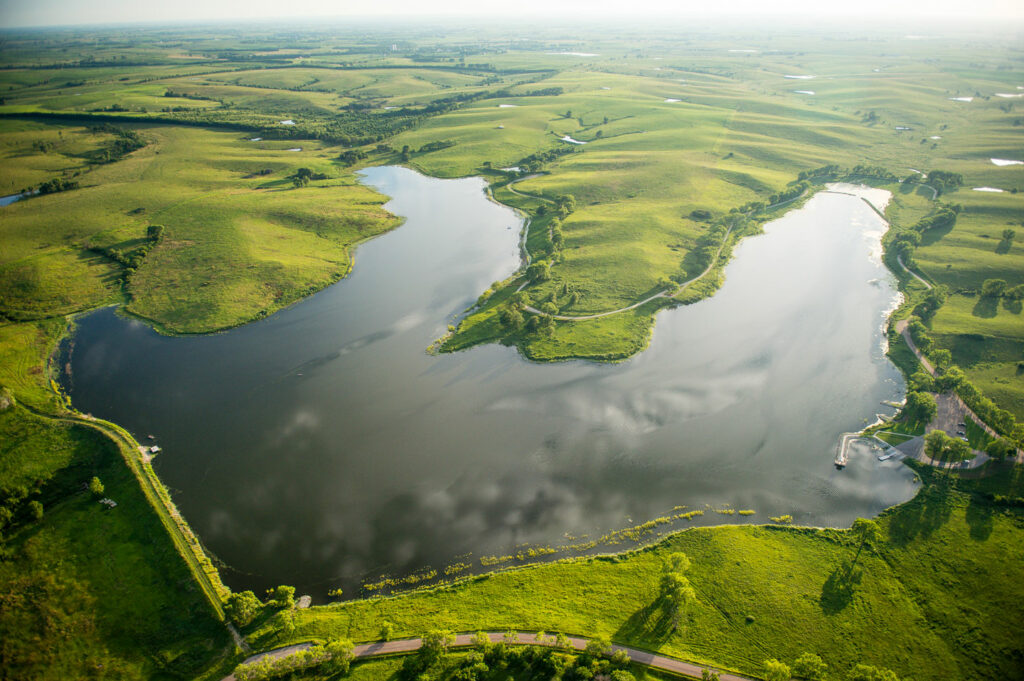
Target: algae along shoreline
(339,384)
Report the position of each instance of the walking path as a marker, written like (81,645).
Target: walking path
(915,275)
(667,293)
(411,645)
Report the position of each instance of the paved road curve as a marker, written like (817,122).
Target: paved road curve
(410,645)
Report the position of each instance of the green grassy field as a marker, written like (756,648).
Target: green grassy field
(912,602)
(90,592)
(237,244)
(88,587)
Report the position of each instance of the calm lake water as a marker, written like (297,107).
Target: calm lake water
(323,446)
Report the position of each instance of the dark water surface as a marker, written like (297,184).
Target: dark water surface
(322,446)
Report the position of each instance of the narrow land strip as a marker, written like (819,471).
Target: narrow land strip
(411,645)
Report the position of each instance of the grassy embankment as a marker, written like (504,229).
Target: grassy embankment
(91,592)
(937,597)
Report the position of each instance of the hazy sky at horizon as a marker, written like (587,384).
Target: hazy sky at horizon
(20,13)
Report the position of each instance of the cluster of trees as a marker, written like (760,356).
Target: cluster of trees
(57,184)
(352,156)
(998,288)
(810,667)
(303,176)
(436,146)
(791,193)
(124,143)
(930,303)
(875,172)
(244,607)
(543,92)
(130,256)
(535,162)
(920,407)
(511,315)
(820,173)
(944,216)
(941,447)
(950,377)
(557,659)
(676,592)
(944,181)
(333,657)
(706,248)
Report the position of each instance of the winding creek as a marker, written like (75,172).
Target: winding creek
(322,446)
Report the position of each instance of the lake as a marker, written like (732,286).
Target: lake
(323,446)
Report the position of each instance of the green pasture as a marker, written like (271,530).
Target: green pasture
(908,601)
(270,242)
(91,591)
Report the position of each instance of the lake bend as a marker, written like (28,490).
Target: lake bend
(323,447)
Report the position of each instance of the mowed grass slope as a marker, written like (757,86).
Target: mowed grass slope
(937,598)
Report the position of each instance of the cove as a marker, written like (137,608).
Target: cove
(323,447)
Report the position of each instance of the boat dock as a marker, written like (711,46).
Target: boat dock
(843,449)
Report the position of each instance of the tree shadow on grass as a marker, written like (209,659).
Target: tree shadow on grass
(1013,306)
(838,590)
(651,625)
(930,236)
(1003,247)
(979,519)
(986,307)
(923,515)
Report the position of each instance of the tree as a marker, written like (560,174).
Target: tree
(435,644)
(863,672)
(155,232)
(283,596)
(920,407)
(709,675)
(387,630)
(957,450)
(866,531)
(675,587)
(993,288)
(340,656)
(922,381)
(243,607)
(36,508)
(620,658)
(482,641)
(96,486)
(919,332)
(538,271)
(1000,449)
(621,675)
(1008,234)
(549,308)
(935,443)
(810,667)
(562,642)
(510,318)
(776,671)
(599,646)
(546,326)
